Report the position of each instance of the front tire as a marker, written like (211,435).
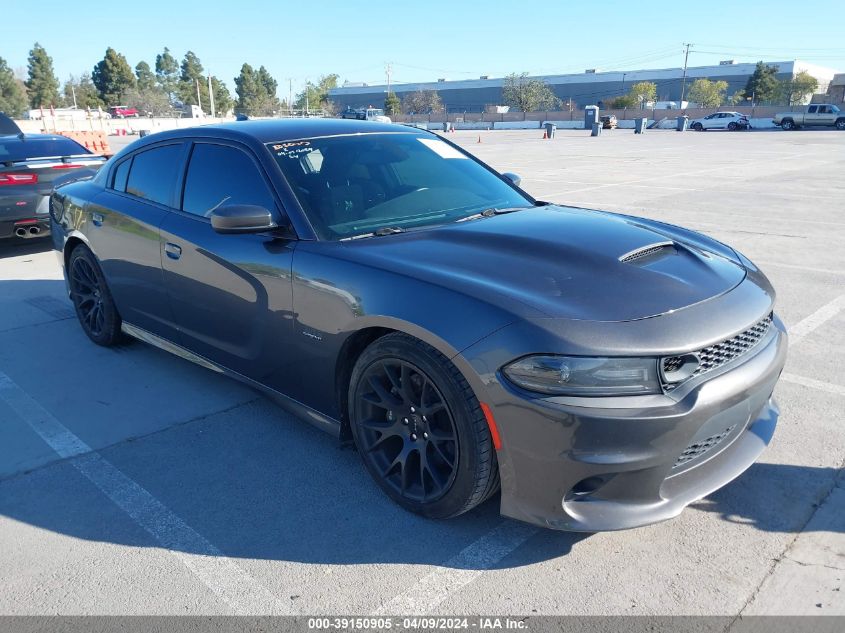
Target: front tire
(698,127)
(420,429)
(91,298)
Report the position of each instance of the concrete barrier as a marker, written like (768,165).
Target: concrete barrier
(517,125)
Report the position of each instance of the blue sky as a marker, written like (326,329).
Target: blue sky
(423,40)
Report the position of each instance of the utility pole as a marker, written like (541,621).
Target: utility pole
(73,92)
(684,78)
(388,70)
(211,96)
(623,82)
(290,96)
(199,101)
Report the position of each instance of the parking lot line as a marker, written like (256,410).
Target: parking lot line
(811,269)
(838,390)
(460,570)
(240,591)
(818,318)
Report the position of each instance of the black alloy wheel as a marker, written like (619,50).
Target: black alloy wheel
(91,298)
(419,428)
(407,430)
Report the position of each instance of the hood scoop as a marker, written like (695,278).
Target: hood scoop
(651,250)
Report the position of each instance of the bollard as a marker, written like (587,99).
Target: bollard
(596,129)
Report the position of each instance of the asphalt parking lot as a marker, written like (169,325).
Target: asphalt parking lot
(163,488)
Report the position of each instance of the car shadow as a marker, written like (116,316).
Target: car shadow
(16,246)
(776,497)
(259,484)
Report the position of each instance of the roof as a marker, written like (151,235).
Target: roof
(629,76)
(269,130)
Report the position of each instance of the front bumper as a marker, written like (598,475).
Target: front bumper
(604,466)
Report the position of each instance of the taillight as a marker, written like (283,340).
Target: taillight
(63,166)
(18,179)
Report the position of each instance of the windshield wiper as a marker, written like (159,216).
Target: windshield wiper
(490,212)
(388,230)
(385,230)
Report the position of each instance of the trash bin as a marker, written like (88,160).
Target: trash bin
(447,126)
(551,128)
(596,129)
(639,125)
(591,115)
(143,133)
(683,123)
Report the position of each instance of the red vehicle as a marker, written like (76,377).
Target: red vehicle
(121,112)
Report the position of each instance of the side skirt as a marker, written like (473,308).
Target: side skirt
(294,407)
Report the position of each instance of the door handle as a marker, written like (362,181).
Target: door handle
(173,251)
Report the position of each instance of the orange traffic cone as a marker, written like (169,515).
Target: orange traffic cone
(545,136)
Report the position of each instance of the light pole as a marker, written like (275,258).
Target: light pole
(623,83)
(684,77)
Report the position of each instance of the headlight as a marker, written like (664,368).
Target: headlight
(584,376)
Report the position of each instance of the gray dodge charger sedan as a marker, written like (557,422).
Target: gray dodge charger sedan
(602,371)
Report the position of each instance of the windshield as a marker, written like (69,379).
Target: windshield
(356,184)
(375,112)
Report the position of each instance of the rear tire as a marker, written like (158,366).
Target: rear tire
(420,429)
(91,298)
(732,126)
(840,124)
(787,124)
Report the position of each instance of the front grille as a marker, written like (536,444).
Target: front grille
(696,449)
(714,356)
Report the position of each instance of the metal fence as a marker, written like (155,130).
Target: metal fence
(578,115)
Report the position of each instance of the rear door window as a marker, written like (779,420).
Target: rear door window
(153,173)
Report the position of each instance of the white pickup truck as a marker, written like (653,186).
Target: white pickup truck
(821,114)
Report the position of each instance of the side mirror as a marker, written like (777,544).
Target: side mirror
(242,218)
(513,178)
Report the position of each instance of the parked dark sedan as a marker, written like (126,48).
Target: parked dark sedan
(388,287)
(30,166)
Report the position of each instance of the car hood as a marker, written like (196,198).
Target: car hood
(563,262)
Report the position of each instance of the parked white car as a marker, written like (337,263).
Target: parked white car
(721,121)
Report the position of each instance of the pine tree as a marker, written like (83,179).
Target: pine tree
(167,72)
(190,79)
(113,77)
(42,85)
(12,95)
(256,91)
(392,105)
(222,98)
(144,74)
(763,86)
